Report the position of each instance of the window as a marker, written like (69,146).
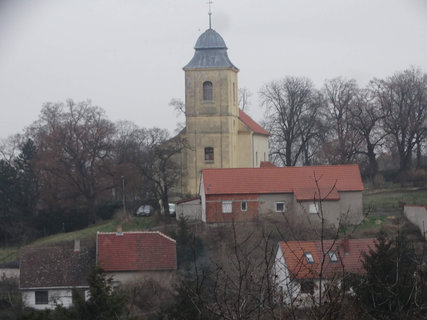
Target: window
(309,257)
(314,207)
(209,153)
(244,206)
(42,297)
(234,93)
(280,207)
(333,256)
(307,286)
(227,206)
(207,91)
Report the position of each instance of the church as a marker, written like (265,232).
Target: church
(218,134)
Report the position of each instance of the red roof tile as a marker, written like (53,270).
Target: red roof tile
(348,251)
(255,127)
(136,251)
(298,180)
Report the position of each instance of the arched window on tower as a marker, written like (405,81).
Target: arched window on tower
(207,91)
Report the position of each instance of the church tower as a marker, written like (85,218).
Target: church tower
(211,108)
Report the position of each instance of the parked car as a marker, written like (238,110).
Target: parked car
(172,209)
(145,210)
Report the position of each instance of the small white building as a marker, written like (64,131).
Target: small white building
(49,274)
(301,268)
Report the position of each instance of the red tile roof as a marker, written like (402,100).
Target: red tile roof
(348,251)
(136,251)
(255,127)
(298,180)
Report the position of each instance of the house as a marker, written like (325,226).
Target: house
(246,194)
(418,216)
(301,267)
(49,274)
(190,209)
(136,256)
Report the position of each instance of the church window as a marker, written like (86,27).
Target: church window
(234,93)
(209,153)
(207,91)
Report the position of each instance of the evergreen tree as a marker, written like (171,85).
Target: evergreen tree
(392,288)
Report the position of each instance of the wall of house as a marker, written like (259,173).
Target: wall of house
(260,149)
(165,278)
(348,210)
(351,206)
(244,147)
(9,273)
(63,297)
(331,211)
(191,210)
(267,202)
(418,216)
(214,212)
(282,277)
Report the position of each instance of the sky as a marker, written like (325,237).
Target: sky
(126,56)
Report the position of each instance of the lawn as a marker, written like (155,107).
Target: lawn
(385,202)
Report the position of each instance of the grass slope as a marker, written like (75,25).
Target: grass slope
(10,254)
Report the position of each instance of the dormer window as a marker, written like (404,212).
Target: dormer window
(207,91)
(332,256)
(309,257)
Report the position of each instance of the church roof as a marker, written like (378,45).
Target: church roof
(211,52)
(251,124)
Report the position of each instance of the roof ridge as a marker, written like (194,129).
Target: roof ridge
(140,232)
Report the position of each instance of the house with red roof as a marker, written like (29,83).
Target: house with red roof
(301,268)
(136,256)
(246,194)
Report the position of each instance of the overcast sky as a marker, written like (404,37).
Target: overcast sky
(127,55)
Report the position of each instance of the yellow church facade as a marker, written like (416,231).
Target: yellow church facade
(218,134)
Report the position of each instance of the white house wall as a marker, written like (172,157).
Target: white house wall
(62,297)
(191,210)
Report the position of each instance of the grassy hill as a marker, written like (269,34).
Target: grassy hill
(87,235)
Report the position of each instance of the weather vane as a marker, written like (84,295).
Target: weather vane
(210,14)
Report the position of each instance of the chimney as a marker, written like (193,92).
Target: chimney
(76,245)
(345,243)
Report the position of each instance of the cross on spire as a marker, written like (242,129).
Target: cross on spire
(210,13)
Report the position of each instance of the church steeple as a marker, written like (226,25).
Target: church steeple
(210,14)
(211,52)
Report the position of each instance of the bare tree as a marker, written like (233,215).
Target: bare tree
(403,101)
(244,99)
(292,117)
(74,152)
(365,118)
(344,142)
